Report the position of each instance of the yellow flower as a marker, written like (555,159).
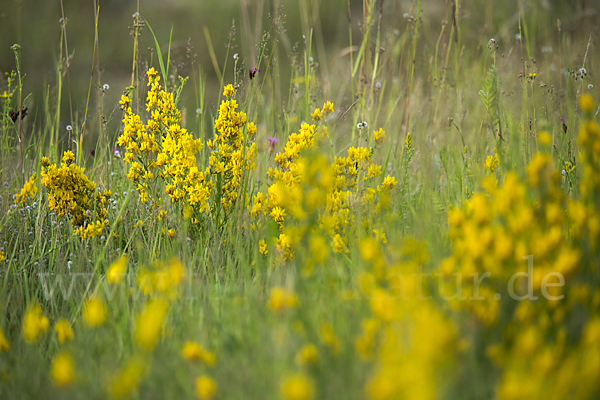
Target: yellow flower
(369,249)
(228,91)
(319,250)
(278,214)
(338,243)
(545,139)
(128,379)
(389,182)
(329,339)
(34,323)
(116,270)
(63,330)
(28,191)
(194,352)
(327,107)
(408,142)
(62,370)
(4,345)
(262,247)
(586,102)
(206,388)
(317,115)
(94,312)
(296,387)
(379,135)
(492,162)
(307,355)
(149,323)
(281,299)
(124,102)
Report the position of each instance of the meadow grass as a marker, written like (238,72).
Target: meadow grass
(393,211)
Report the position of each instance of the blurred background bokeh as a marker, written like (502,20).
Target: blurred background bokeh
(237,26)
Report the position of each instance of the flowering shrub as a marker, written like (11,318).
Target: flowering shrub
(71,193)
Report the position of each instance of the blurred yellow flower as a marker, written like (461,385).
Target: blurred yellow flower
(34,323)
(128,379)
(193,351)
(4,345)
(63,330)
(545,139)
(329,339)
(62,370)
(296,387)
(94,312)
(586,102)
(116,271)
(307,355)
(149,323)
(206,388)
(281,299)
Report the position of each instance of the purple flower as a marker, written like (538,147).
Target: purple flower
(272,141)
(252,72)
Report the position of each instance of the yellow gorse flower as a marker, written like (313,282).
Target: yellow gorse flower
(128,379)
(62,370)
(297,387)
(379,135)
(116,271)
(194,352)
(28,191)
(34,323)
(307,355)
(94,312)
(63,330)
(206,388)
(148,325)
(163,277)
(71,193)
(492,162)
(281,300)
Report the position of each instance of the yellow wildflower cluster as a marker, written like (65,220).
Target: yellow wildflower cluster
(305,183)
(281,300)
(94,312)
(233,150)
(319,113)
(407,338)
(28,191)
(379,135)
(162,278)
(162,149)
(544,246)
(63,369)
(297,387)
(34,324)
(492,162)
(194,352)
(63,330)
(149,324)
(72,193)
(206,388)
